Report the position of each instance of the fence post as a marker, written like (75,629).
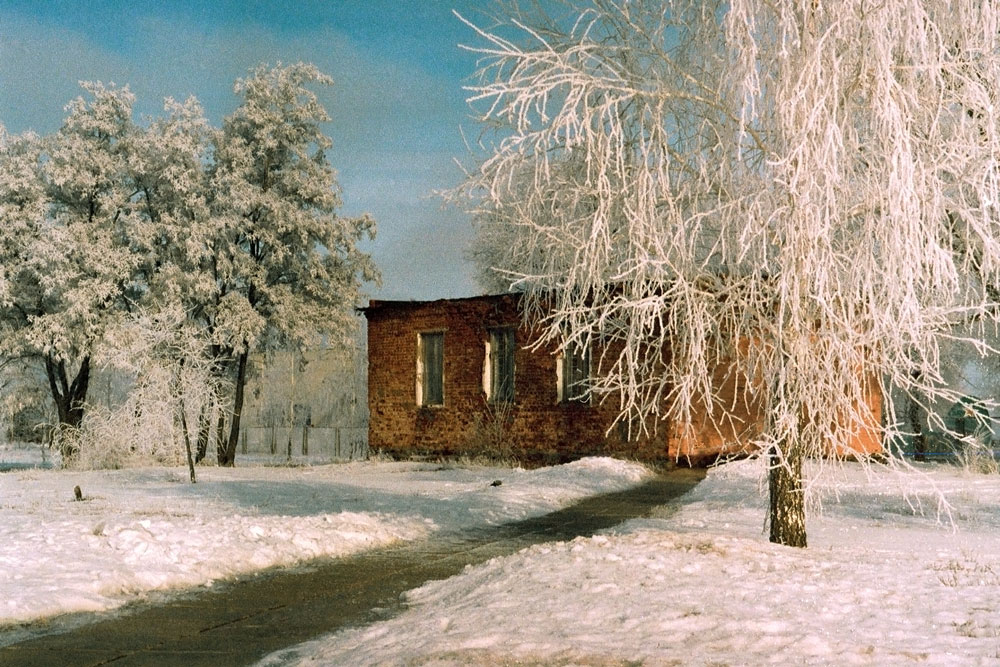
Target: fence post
(243,448)
(274,443)
(305,440)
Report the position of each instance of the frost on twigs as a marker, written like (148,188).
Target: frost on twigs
(805,190)
(171,377)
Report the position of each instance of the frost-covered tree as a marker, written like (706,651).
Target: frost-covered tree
(285,266)
(21,205)
(21,213)
(168,172)
(108,220)
(806,191)
(73,267)
(172,158)
(100,217)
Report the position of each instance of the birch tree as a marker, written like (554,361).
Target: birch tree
(285,265)
(804,190)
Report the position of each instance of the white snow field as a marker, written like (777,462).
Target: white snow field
(149,529)
(700,585)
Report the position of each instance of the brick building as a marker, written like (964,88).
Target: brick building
(440,371)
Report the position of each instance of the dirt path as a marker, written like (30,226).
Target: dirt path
(242,621)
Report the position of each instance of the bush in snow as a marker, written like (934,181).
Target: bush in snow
(491,436)
(173,385)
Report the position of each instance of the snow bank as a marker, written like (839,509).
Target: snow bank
(148,529)
(699,584)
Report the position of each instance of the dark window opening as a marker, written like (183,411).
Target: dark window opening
(431,370)
(575,375)
(501,365)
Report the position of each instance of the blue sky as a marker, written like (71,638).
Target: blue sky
(397,104)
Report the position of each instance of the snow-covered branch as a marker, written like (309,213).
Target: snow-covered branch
(805,192)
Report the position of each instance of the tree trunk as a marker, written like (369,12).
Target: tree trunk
(187,442)
(204,431)
(234,426)
(220,438)
(69,397)
(184,429)
(787,516)
(914,415)
(219,371)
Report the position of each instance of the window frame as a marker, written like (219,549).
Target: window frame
(500,360)
(424,377)
(573,373)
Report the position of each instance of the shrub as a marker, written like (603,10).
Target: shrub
(491,437)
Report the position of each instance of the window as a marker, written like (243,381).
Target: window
(430,369)
(499,371)
(573,375)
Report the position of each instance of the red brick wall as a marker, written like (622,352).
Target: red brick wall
(547,430)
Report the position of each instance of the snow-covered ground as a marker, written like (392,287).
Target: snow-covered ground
(700,585)
(696,584)
(143,530)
